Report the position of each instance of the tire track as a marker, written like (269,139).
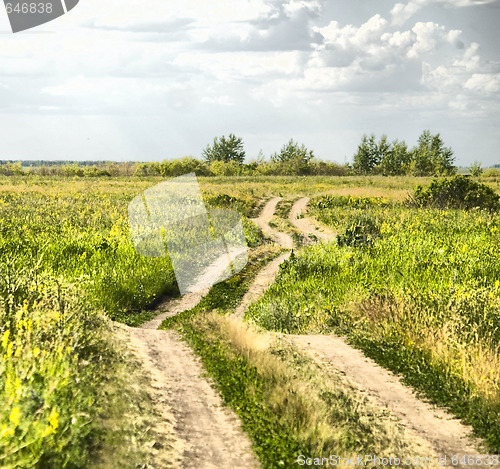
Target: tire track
(434,426)
(201,431)
(207,434)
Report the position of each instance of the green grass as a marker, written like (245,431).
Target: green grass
(62,382)
(67,264)
(422,297)
(224,297)
(284,206)
(288,406)
(273,443)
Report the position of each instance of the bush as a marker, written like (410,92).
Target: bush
(11,169)
(360,231)
(332,201)
(459,192)
(181,166)
(221,168)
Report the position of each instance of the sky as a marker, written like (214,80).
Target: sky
(148,80)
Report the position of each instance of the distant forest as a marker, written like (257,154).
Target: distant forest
(226,157)
(38,163)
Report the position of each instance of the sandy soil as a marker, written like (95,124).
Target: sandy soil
(260,284)
(308,225)
(445,434)
(201,432)
(266,276)
(263,220)
(206,434)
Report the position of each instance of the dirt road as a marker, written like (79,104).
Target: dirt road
(443,433)
(204,433)
(308,225)
(201,433)
(199,430)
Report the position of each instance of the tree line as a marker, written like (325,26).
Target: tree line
(226,157)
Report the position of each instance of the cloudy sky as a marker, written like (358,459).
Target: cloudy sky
(156,79)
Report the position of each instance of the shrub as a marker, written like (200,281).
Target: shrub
(221,168)
(186,165)
(332,201)
(360,231)
(475,169)
(459,192)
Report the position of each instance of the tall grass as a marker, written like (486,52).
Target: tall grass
(67,264)
(287,404)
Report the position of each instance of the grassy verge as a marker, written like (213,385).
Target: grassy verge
(65,384)
(67,264)
(288,406)
(284,206)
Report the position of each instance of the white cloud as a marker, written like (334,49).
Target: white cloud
(265,66)
(375,46)
(470,60)
(294,6)
(350,36)
(484,83)
(429,36)
(402,12)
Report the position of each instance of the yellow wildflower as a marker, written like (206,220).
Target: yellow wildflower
(53,419)
(6,431)
(48,430)
(5,339)
(15,416)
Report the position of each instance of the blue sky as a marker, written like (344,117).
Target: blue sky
(156,79)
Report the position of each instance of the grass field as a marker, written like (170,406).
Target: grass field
(421,295)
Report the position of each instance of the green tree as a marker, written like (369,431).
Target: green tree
(395,161)
(431,157)
(225,149)
(292,151)
(292,158)
(367,157)
(442,157)
(475,169)
(421,161)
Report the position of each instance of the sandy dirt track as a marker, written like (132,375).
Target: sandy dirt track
(202,432)
(308,225)
(444,433)
(263,220)
(208,436)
